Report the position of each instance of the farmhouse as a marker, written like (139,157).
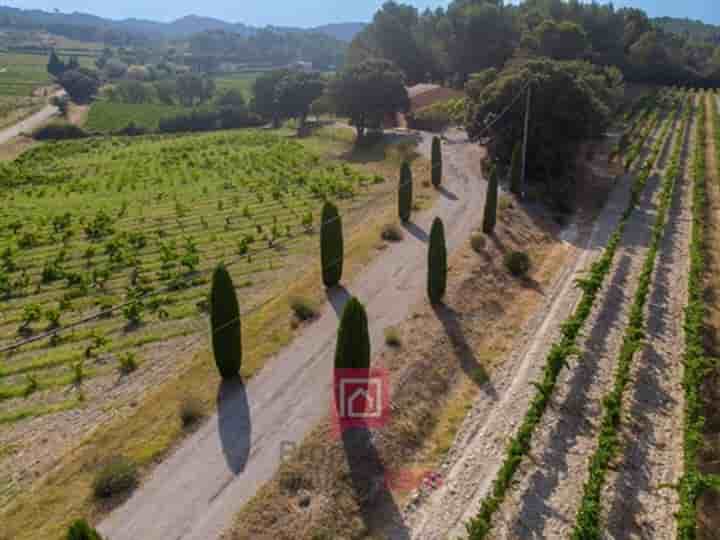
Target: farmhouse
(421,96)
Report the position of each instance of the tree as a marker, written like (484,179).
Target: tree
(192,89)
(437,263)
(331,245)
(166,92)
(55,66)
(82,86)
(134,92)
(295,93)
(405,192)
(353,342)
(233,99)
(436,162)
(491,202)
(265,95)
(368,92)
(563,40)
(73,64)
(225,324)
(80,530)
(516,170)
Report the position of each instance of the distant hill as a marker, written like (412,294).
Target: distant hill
(341,31)
(696,30)
(75,24)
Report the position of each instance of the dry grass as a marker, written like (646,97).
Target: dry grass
(146,431)
(15,147)
(431,394)
(709,503)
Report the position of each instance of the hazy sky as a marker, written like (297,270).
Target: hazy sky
(309,12)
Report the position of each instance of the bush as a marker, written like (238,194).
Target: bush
(225,324)
(478,242)
(391,233)
(405,192)
(392,337)
(58,131)
(302,308)
(353,341)
(518,263)
(128,363)
(80,530)
(331,245)
(437,263)
(436,162)
(118,476)
(191,411)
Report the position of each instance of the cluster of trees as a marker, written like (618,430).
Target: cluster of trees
(80,83)
(267,46)
(473,35)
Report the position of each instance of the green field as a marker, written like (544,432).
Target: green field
(91,224)
(107,116)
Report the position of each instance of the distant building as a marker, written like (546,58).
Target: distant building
(421,96)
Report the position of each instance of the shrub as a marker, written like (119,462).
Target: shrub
(392,337)
(405,192)
(57,131)
(191,411)
(225,324)
(516,170)
(128,363)
(118,476)
(80,530)
(353,341)
(437,263)
(436,162)
(491,201)
(518,263)
(331,245)
(302,308)
(391,233)
(478,242)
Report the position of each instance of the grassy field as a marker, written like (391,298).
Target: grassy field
(107,116)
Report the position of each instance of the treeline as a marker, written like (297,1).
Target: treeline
(473,35)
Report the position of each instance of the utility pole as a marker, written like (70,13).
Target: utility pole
(525,138)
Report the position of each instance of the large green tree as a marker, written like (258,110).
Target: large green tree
(81,85)
(296,92)
(353,341)
(225,324)
(331,245)
(368,92)
(264,92)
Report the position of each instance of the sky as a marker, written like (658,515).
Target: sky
(306,13)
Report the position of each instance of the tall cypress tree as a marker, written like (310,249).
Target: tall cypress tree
(55,66)
(437,263)
(516,170)
(436,162)
(405,192)
(491,201)
(225,324)
(331,245)
(353,342)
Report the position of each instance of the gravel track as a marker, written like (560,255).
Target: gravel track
(477,455)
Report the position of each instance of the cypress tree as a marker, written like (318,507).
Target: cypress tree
(405,192)
(491,201)
(437,263)
(225,324)
(353,342)
(436,162)
(331,245)
(55,66)
(516,170)
(80,530)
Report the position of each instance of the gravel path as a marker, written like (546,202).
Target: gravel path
(477,455)
(638,501)
(31,123)
(194,494)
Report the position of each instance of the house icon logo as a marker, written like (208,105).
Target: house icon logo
(361,398)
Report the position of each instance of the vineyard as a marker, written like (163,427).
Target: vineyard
(107,246)
(109,116)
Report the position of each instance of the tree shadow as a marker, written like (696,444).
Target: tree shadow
(415,231)
(369,479)
(447,193)
(234,423)
(338,297)
(469,363)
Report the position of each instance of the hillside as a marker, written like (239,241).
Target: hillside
(697,30)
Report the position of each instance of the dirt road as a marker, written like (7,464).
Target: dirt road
(195,493)
(29,124)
